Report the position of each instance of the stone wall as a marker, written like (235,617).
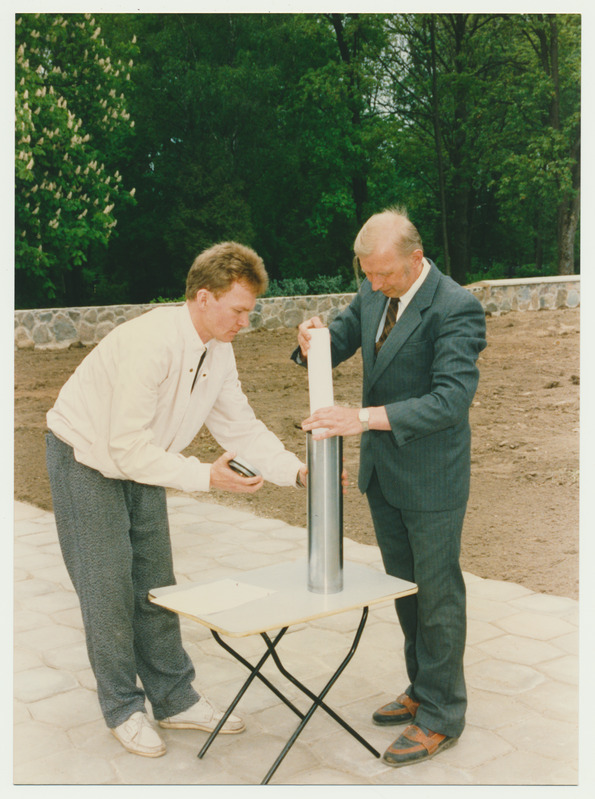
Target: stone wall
(528,294)
(56,328)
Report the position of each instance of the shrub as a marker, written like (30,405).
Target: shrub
(297,287)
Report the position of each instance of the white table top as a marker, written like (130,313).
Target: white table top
(276,596)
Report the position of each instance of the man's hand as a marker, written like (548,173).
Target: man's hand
(304,336)
(226,479)
(333,421)
(303,476)
(340,421)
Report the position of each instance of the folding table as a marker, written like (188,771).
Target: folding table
(274,598)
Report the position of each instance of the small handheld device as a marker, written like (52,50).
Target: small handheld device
(242,467)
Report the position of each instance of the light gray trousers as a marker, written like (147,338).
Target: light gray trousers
(114,536)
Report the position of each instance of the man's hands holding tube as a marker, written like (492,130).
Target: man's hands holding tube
(304,335)
(336,420)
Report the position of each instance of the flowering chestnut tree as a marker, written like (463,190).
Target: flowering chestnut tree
(71,127)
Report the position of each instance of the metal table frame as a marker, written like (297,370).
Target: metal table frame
(294,606)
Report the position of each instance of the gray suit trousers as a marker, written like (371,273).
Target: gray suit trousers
(424,547)
(114,537)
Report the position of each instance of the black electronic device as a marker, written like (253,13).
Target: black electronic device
(242,467)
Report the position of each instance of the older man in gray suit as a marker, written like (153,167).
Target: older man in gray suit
(420,335)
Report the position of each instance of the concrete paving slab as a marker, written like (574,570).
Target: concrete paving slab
(490,712)
(550,738)
(543,627)
(68,659)
(478,631)
(34,741)
(524,768)
(521,665)
(474,750)
(30,586)
(66,710)
(39,683)
(517,649)
(552,699)
(51,602)
(545,603)
(568,643)
(30,620)
(44,638)
(564,669)
(23,659)
(502,677)
(23,511)
(72,617)
(496,589)
(79,768)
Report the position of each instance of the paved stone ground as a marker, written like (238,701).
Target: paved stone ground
(521,667)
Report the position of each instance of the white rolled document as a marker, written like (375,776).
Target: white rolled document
(320,370)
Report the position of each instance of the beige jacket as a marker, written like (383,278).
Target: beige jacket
(128,410)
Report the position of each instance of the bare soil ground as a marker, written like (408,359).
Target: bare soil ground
(522,518)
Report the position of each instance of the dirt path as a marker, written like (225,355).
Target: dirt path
(522,518)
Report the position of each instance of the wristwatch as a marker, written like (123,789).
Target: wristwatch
(364,417)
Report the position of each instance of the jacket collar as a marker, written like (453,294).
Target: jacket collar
(404,328)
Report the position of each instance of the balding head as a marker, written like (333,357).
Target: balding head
(390,252)
(390,230)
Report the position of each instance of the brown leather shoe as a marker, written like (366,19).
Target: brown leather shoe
(414,745)
(402,710)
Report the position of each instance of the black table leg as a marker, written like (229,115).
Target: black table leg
(255,672)
(316,698)
(318,701)
(260,676)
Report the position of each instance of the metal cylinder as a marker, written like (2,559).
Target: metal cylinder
(325,515)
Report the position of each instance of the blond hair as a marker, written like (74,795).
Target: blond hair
(224,264)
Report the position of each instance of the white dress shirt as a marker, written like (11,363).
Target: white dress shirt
(128,410)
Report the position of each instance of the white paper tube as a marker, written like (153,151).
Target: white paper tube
(320,370)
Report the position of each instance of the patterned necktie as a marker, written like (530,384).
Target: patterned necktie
(389,322)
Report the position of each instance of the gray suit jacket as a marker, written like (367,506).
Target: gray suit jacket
(426,376)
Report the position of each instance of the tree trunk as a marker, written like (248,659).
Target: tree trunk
(569,208)
(568,216)
(359,181)
(539,252)
(461,256)
(438,146)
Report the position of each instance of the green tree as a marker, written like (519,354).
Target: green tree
(196,101)
(71,127)
(537,177)
(438,71)
(486,130)
(341,132)
(245,128)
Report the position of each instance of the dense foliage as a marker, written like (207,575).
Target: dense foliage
(71,126)
(285,131)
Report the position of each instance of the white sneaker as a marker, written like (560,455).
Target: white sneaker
(138,736)
(203,716)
